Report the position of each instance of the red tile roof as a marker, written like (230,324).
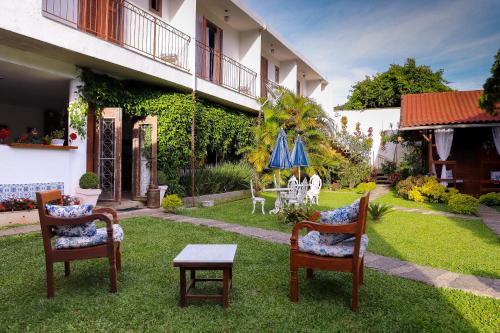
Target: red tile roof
(454,107)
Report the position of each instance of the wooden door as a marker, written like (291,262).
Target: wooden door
(103,18)
(263,76)
(145,161)
(109,153)
(212,53)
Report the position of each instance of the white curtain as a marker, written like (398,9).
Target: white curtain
(496,138)
(444,139)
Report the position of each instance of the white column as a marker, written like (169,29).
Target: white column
(78,161)
(288,71)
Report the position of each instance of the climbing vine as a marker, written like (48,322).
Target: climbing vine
(220,131)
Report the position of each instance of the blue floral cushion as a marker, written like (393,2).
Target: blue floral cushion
(343,215)
(77,230)
(310,243)
(99,238)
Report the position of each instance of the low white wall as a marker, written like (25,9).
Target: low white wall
(379,120)
(25,166)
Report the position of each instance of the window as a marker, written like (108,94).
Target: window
(155,6)
(276,74)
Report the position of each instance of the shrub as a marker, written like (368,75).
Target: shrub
(463,204)
(293,215)
(490,199)
(162,178)
(416,195)
(219,179)
(433,191)
(89,180)
(335,186)
(388,167)
(377,210)
(57,134)
(406,185)
(351,173)
(171,203)
(365,187)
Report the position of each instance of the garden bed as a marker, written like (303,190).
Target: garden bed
(18,217)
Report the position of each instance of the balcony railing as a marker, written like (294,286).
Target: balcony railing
(268,86)
(220,69)
(124,24)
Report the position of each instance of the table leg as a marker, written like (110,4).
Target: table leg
(231,277)
(225,292)
(182,284)
(277,204)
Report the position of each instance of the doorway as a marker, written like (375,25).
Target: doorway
(212,57)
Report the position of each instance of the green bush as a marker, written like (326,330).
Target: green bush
(162,178)
(89,180)
(171,203)
(353,173)
(415,195)
(406,185)
(377,210)
(490,199)
(388,167)
(433,191)
(219,179)
(365,187)
(293,215)
(463,204)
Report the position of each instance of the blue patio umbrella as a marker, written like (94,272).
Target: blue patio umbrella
(280,158)
(299,155)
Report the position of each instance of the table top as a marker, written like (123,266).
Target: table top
(207,254)
(281,189)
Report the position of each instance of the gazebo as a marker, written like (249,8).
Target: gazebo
(462,141)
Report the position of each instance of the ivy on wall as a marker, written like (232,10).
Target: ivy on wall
(219,130)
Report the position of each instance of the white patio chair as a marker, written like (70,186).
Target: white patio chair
(313,194)
(256,200)
(301,195)
(293,187)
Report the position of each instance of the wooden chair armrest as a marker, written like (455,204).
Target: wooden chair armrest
(348,228)
(107,210)
(60,221)
(314,217)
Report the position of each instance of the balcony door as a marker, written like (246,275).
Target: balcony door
(103,18)
(212,54)
(264,64)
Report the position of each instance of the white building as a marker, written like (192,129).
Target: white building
(379,120)
(219,48)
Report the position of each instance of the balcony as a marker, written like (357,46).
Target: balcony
(222,70)
(124,24)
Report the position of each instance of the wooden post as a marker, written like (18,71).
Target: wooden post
(193,157)
(91,128)
(428,138)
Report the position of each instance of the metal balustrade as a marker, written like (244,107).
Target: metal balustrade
(220,69)
(124,24)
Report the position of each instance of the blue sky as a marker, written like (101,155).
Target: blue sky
(348,39)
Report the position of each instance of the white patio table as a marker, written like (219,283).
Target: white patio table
(278,204)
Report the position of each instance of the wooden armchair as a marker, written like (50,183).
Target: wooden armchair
(353,264)
(110,249)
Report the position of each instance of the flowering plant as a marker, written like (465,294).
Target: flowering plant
(4,134)
(31,137)
(72,137)
(17,204)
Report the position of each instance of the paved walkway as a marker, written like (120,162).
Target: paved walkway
(434,212)
(379,191)
(491,217)
(433,276)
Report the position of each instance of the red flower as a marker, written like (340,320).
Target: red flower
(73,136)
(4,133)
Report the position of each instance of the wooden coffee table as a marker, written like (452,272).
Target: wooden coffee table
(207,257)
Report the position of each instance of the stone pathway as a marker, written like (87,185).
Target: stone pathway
(379,191)
(491,217)
(434,212)
(433,276)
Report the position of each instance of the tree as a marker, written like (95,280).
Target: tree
(385,89)
(491,94)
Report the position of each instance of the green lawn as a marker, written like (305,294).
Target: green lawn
(455,244)
(392,199)
(148,292)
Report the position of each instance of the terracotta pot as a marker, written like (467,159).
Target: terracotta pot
(88,195)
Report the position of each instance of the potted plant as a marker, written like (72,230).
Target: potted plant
(57,138)
(89,190)
(162,181)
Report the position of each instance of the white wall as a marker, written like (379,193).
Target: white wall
(379,120)
(288,75)
(250,43)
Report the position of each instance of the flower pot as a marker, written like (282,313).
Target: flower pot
(163,190)
(88,195)
(57,142)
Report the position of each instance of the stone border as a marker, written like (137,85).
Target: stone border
(219,197)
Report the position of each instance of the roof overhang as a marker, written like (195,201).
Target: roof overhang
(417,128)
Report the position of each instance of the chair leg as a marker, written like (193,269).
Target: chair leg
(118,259)
(262,206)
(355,286)
(67,268)
(294,285)
(112,274)
(49,267)
(253,210)
(362,271)
(310,274)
